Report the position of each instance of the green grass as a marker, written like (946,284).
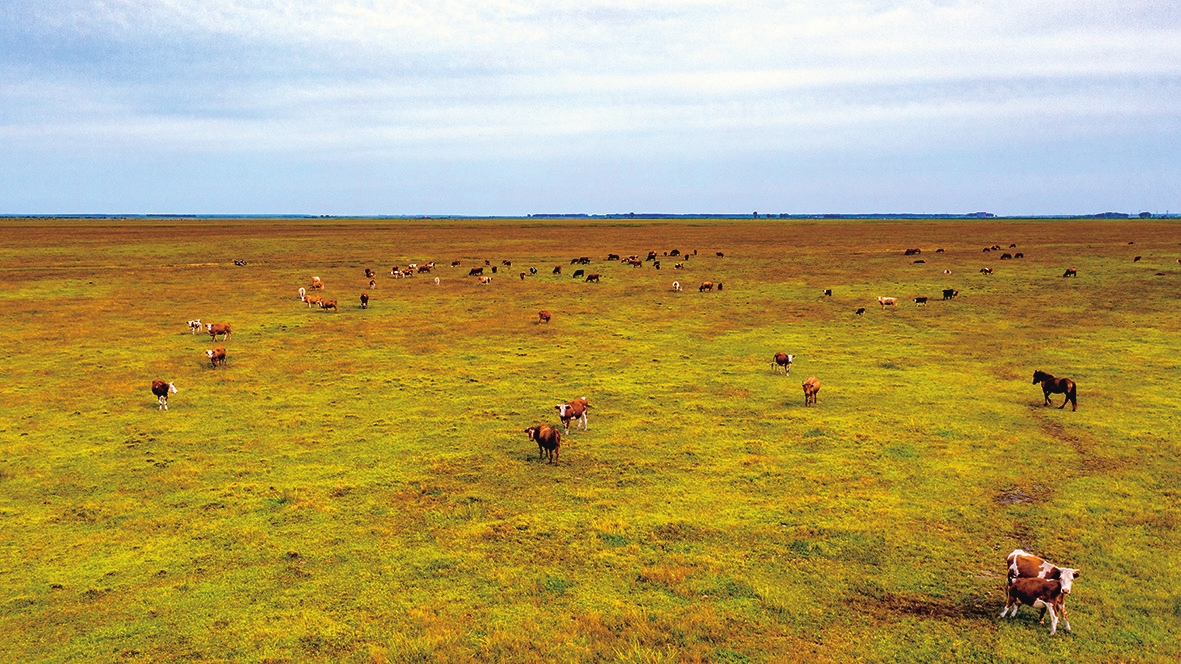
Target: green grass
(358,487)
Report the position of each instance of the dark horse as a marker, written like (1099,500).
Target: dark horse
(1052,385)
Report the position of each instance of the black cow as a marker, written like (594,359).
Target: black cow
(949,293)
(578,273)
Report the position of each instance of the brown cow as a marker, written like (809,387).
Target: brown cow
(705,286)
(888,302)
(574,410)
(313,299)
(1045,594)
(475,272)
(215,329)
(364,300)
(1073,272)
(811,387)
(548,439)
(217,356)
(328,304)
(593,276)
(543,317)
(782,360)
(317,283)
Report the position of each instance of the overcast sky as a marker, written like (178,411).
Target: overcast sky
(518,107)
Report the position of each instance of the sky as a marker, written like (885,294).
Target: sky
(502,107)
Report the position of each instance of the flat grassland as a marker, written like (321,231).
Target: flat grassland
(357,486)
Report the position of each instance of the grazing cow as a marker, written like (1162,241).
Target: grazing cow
(577,274)
(1018,255)
(475,272)
(612,257)
(532,270)
(811,387)
(522,276)
(675,252)
(364,300)
(317,283)
(1052,385)
(634,262)
(412,267)
(919,262)
(557,270)
(676,287)
(239,262)
(593,276)
(986,250)
(493,269)
(912,252)
(195,325)
(986,270)
(860,311)
(939,251)
(947,272)
(372,284)
(721,255)
(1136,259)
(313,300)
(949,293)
(424,269)
(325,305)
(1006,256)
(573,261)
(1070,272)
(678,266)
(1040,594)
(782,360)
(454,263)
(705,286)
(996,247)
(574,410)
(584,260)
(1013,246)
(828,292)
(920,300)
(888,302)
(543,317)
(162,389)
(506,263)
(217,356)
(485,280)
(303,294)
(656,264)
(651,256)
(395,271)
(215,329)
(548,439)
(369,274)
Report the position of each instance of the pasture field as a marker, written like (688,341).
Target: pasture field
(357,486)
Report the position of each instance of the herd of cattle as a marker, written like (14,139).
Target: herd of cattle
(1030,580)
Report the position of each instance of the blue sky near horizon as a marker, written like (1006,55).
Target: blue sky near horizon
(517,107)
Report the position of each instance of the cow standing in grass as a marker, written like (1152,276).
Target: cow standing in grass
(162,389)
(548,439)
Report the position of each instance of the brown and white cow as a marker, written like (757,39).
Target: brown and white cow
(1073,272)
(364,300)
(574,410)
(215,329)
(1046,594)
(782,360)
(811,387)
(548,439)
(986,270)
(162,389)
(217,356)
(317,283)
(1022,564)
(485,280)
(677,286)
(888,302)
(195,325)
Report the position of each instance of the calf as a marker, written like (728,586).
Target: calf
(782,360)
(920,300)
(162,389)
(1041,594)
(705,286)
(578,273)
(574,410)
(364,300)
(811,387)
(543,317)
(986,270)
(548,439)
(888,302)
(217,356)
(1073,272)
(593,276)
(328,304)
(475,272)
(195,325)
(215,329)
(949,293)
